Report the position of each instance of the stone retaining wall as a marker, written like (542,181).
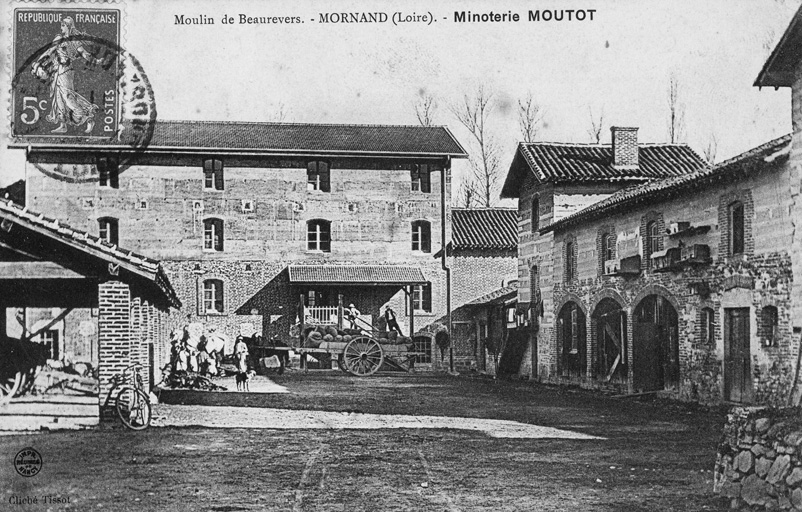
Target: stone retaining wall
(759,462)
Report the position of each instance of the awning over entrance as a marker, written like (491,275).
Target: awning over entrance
(356,275)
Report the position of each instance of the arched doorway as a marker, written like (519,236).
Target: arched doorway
(571,336)
(655,349)
(610,321)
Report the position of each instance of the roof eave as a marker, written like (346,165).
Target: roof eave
(77,148)
(770,76)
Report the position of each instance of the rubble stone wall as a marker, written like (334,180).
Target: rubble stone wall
(759,460)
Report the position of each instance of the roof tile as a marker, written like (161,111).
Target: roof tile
(484,228)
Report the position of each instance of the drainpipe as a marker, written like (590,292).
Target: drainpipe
(443,262)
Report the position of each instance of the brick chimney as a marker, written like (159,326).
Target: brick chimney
(625,147)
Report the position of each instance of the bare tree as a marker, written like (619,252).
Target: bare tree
(280,114)
(466,195)
(676,111)
(425,110)
(474,113)
(596,124)
(711,149)
(530,115)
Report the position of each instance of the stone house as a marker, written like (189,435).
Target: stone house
(553,180)
(482,255)
(251,219)
(681,285)
(784,69)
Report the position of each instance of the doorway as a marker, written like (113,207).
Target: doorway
(737,356)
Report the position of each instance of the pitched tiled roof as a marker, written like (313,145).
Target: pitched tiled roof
(484,228)
(137,264)
(557,162)
(660,190)
(779,69)
(287,138)
(356,275)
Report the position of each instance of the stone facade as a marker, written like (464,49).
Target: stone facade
(555,201)
(692,364)
(161,205)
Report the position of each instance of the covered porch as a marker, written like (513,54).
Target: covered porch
(82,310)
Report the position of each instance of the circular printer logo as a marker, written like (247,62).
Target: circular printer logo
(28,462)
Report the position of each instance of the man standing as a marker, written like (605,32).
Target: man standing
(353,314)
(392,323)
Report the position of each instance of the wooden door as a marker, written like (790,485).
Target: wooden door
(737,358)
(646,360)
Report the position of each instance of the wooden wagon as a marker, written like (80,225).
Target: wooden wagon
(362,355)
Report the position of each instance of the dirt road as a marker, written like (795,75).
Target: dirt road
(631,456)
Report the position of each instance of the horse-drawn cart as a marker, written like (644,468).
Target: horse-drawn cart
(359,354)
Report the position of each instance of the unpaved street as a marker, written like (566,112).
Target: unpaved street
(429,443)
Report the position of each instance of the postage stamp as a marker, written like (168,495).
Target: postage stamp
(67,70)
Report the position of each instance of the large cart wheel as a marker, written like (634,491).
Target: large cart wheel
(363,356)
(10,385)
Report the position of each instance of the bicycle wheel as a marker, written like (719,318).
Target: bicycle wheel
(133,408)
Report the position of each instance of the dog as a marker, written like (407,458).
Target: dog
(242,380)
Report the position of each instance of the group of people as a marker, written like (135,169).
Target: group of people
(199,350)
(351,314)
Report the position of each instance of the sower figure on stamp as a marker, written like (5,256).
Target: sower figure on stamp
(392,322)
(56,65)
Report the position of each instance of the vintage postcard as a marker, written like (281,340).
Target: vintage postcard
(385,255)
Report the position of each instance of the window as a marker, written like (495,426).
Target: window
(318,235)
(108,230)
(421,236)
(608,246)
(570,262)
(49,338)
(108,172)
(535,214)
(213,235)
(534,286)
(422,297)
(736,228)
(213,296)
(213,174)
(421,178)
(707,331)
(769,321)
(575,330)
(652,242)
(318,176)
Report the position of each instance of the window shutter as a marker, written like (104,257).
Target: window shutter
(425,179)
(427,297)
(325,177)
(218,174)
(426,237)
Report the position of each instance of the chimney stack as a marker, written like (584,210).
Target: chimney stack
(625,147)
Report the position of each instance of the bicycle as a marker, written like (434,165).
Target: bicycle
(132,403)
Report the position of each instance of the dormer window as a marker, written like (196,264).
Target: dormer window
(213,174)
(318,176)
(108,172)
(421,178)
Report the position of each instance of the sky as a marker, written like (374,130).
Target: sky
(618,64)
